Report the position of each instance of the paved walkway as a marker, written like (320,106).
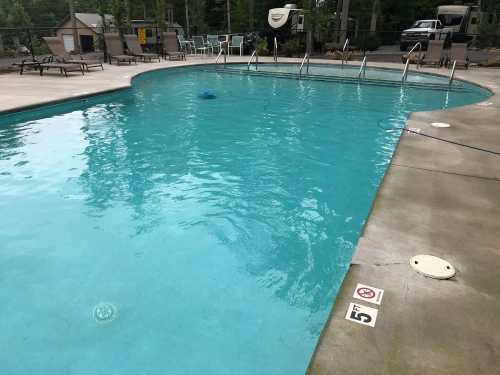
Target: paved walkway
(436,198)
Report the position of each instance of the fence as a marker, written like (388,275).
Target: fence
(19,43)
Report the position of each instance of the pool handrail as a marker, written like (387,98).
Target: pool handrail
(405,71)
(452,74)
(221,52)
(346,46)
(306,57)
(275,51)
(362,70)
(254,53)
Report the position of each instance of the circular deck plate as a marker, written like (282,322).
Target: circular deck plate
(440,124)
(431,266)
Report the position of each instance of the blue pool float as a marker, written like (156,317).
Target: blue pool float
(207,95)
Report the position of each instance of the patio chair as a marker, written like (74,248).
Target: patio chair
(64,68)
(458,53)
(32,63)
(60,54)
(171,47)
(213,40)
(199,44)
(114,46)
(135,49)
(185,44)
(236,42)
(434,54)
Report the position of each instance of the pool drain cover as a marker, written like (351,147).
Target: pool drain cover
(104,312)
(440,124)
(431,266)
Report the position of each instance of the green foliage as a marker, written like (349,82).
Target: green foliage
(17,16)
(294,47)
(367,41)
(119,13)
(261,47)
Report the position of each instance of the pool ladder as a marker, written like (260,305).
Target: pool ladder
(275,51)
(362,70)
(222,52)
(346,47)
(254,54)
(407,65)
(304,60)
(452,74)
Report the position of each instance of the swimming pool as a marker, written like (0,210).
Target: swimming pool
(152,232)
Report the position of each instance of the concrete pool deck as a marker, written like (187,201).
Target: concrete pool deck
(436,198)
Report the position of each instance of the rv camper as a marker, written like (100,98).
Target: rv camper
(289,18)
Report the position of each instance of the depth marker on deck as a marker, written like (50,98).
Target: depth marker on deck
(364,315)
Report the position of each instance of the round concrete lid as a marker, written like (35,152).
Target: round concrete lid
(431,266)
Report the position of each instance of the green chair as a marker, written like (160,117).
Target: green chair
(236,42)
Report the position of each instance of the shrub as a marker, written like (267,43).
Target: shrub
(293,47)
(368,42)
(261,47)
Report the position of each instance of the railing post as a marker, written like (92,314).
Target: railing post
(362,70)
(275,50)
(452,75)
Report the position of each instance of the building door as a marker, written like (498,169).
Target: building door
(69,42)
(87,43)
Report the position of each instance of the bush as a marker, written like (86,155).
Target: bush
(293,47)
(261,47)
(368,42)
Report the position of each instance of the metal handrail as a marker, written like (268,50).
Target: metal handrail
(362,70)
(407,65)
(306,57)
(275,54)
(452,75)
(254,53)
(346,46)
(222,51)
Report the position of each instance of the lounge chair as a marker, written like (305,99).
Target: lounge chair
(31,64)
(135,49)
(200,45)
(434,54)
(64,68)
(213,41)
(171,47)
(60,54)
(236,42)
(114,46)
(185,44)
(458,53)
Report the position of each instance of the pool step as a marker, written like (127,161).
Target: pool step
(341,79)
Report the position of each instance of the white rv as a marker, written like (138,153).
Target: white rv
(459,18)
(289,17)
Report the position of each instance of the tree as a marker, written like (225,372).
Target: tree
(119,14)
(17,16)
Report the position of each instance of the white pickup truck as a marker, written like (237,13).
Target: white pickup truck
(422,31)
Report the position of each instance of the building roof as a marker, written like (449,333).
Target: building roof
(93,20)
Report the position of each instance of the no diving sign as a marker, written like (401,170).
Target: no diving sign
(368,293)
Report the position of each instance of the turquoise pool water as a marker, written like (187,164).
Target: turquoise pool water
(211,235)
